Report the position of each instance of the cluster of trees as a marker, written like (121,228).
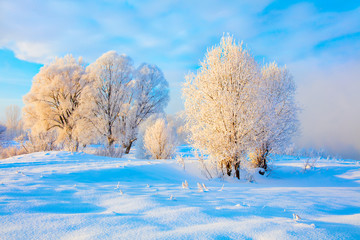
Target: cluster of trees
(238,111)
(104,102)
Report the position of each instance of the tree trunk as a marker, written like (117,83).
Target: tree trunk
(237,170)
(76,148)
(261,155)
(228,169)
(128,147)
(110,140)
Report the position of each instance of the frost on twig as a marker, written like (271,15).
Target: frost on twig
(205,188)
(185,185)
(310,163)
(204,168)
(200,188)
(180,161)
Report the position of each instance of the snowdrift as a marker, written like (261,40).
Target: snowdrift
(62,195)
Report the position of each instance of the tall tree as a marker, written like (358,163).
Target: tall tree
(109,95)
(150,95)
(54,99)
(280,113)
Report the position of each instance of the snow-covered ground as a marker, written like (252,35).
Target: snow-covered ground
(62,195)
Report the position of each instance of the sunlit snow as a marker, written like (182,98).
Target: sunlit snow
(63,195)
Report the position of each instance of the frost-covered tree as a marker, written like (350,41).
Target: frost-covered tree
(13,120)
(219,104)
(2,133)
(234,107)
(141,152)
(178,122)
(109,95)
(150,96)
(53,101)
(160,140)
(279,109)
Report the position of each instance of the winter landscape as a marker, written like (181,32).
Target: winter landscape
(175,120)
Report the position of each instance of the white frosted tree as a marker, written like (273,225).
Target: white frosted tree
(219,104)
(178,122)
(109,95)
(234,108)
(13,120)
(279,109)
(53,101)
(141,152)
(159,140)
(150,96)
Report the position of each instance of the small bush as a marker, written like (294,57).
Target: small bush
(42,142)
(11,152)
(159,140)
(113,151)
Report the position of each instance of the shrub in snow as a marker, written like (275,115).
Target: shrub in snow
(141,152)
(29,143)
(53,102)
(310,163)
(110,151)
(233,107)
(44,141)
(180,161)
(11,152)
(159,140)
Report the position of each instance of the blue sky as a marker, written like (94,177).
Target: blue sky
(319,41)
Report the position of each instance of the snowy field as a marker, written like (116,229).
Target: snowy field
(62,195)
